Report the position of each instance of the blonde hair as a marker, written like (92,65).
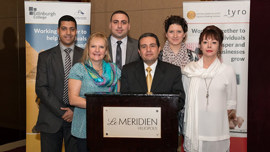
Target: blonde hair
(85,56)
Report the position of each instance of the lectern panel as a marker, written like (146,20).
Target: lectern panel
(97,104)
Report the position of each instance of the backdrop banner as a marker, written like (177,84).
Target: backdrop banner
(233,18)
(41,22)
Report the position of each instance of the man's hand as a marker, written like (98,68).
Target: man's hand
(68,115)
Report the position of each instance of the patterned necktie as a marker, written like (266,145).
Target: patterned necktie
(149,80)
(67,70)
(119,55)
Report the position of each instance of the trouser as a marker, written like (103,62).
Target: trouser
(52,142)
(82,145)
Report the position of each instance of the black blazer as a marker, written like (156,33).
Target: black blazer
(131,52)
(50,88)
(167,79)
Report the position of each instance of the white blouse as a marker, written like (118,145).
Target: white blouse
(213,125)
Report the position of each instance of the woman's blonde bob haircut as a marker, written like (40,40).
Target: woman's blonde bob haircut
(85,56)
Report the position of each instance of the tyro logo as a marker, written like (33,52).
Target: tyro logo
(233,13)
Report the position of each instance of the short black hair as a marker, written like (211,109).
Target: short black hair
(148,35)
(174,19)
(119,12)
(67,18)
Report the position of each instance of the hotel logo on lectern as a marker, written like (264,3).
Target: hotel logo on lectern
(132,122)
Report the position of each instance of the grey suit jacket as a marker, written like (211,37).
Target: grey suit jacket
(50,87)
(167,79)
(131,52)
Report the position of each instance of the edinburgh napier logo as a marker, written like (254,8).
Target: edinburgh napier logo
(79,12)
(32,10)
(40,14)
(80,15)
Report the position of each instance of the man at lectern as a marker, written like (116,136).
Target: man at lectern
(55,112)
(151,75)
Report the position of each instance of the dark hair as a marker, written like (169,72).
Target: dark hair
(215,33)
(173,19)
(148,35)
(119,12)
(67,18)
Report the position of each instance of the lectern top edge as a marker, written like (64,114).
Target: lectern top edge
(125,94)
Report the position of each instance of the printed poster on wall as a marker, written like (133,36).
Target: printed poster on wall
(233,18)
(41,22)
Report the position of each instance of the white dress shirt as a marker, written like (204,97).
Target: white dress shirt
(123,49)
(153,67)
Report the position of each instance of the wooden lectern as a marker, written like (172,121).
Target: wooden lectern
(97,139)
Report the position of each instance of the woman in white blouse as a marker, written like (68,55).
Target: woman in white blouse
(211,97)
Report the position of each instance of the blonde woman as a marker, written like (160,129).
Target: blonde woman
(93,74)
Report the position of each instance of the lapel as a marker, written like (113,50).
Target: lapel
(140,76)
(76,55)
(158,77)
(110,47)
(57,62)
(129,50)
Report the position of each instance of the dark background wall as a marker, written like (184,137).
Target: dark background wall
(12,65)
(259,77)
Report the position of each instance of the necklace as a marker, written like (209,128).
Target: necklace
(98,69)
(207,89)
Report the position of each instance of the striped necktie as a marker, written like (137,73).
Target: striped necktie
(66,70)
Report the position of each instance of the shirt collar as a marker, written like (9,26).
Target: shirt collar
(63,47)
(153,66)
(114,40)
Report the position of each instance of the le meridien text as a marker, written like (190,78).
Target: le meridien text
(133,121)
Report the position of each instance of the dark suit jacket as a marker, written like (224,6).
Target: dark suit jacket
(50,88)
(167,79)
(131,52)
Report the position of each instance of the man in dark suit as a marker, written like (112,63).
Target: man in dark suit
(122,48)
(55,113)
(165,77)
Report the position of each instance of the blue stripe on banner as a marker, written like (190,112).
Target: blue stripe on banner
(44,36)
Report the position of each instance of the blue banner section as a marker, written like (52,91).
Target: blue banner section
(44,36)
